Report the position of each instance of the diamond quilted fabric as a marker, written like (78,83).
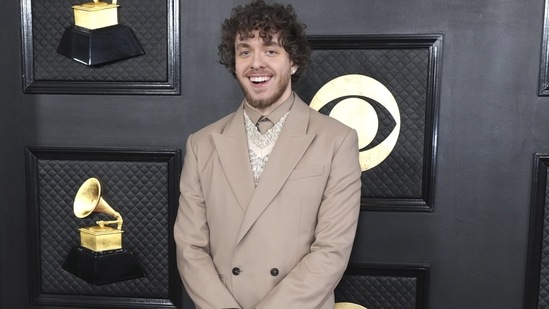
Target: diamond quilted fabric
(543,297)
(405,73)
(137,190)
(380,292)
(146,18)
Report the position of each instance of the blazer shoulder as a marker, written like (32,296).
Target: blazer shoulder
(319,123)
(215,127)
(324,123)
(203,138)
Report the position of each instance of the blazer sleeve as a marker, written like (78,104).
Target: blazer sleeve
(312,281)
(191,234)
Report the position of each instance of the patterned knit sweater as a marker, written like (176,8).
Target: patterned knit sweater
(260,145)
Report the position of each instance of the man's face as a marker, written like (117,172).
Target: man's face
(263,70)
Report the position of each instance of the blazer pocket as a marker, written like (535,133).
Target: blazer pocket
(307,171)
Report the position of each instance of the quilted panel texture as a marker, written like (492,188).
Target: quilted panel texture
(405,73)
(147,19)
(379,292)
(543,297)
(137,190)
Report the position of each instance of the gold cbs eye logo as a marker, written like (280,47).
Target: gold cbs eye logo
(351,94)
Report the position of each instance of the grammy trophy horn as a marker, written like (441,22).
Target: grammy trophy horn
(88,199)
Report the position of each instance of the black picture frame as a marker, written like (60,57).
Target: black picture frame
(52,169)
(430,47)
(155,24)
(538,258)
(385,285)
(544,63)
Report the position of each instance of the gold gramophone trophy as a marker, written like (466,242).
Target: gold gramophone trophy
(100,258)
(96,38)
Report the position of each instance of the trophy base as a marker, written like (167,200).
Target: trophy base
(104,267)
(99,239)
(99,46)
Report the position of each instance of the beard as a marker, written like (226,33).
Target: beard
(264,103)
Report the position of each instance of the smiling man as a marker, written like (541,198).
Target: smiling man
(263,69)
(270,194)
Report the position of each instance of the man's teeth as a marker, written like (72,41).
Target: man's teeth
(259,79)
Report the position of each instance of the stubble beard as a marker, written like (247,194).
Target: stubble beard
(262,104)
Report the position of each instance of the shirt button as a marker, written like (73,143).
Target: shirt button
(236,271)
(274,272)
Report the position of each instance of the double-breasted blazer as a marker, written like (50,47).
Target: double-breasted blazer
(282,244)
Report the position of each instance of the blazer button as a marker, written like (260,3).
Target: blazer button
(274,272)
(236,271)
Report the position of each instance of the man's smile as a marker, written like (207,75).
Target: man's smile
(259,79)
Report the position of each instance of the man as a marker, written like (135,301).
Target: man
(267,217)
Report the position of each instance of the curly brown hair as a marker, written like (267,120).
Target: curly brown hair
(268,20)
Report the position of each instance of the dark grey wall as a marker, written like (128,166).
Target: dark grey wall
(491,124)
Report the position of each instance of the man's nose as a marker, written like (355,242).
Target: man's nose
(257,61)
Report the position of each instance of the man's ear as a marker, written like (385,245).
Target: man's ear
(293,69)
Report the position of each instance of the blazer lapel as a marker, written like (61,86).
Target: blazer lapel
(288,151)
(232,149)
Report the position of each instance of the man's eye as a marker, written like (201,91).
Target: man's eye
(244,53)
(271,52)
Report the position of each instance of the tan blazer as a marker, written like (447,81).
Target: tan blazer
(283,244)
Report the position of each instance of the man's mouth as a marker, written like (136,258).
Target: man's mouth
(259,79)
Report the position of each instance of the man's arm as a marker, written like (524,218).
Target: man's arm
(315,277)
(191,234)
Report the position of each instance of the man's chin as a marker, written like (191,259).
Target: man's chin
(259,103)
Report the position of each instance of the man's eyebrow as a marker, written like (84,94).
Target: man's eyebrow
(242,45)
(271,43)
